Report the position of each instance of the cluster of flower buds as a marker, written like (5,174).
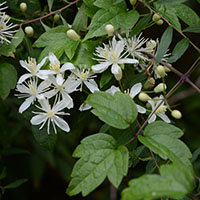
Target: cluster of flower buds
(39,85)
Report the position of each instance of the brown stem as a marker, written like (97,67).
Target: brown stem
(146,5)
(49,14)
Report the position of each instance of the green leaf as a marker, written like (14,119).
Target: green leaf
(164,43)
(179,50)
(195,155)
(193,29)
(46,28)
(18,38)
(118,17)
(170,2)
(186,14)
(141,25)
(174,182)
(8,79)
(81,20)
(162,128)
(15,184)
(7,49)
(84,54)
(99,157)
(105,78)
(44,139)
(111,110)
(50,4)
(91,9)
(56,41)
(106,4)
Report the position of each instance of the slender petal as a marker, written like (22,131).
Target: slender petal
(164,117)
(101,67)
(140,109)
(67,66)
(62,124)
(91,85)
(26,104)
(152,118)
(38,119)
(24,77)
(115,69)
(135,90)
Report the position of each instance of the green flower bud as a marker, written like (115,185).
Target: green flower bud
(23,7)
(151,44)
(118,77)
(56,17)
(159,22)
(133,2)
(161,70)
(143,97)
(149,83)
(155,17)
(109,29)
(29,31)
(160,88)
(176,114)
(73,35)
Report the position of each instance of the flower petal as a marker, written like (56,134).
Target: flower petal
(101,67)
(152,118)
(84,106)
(128,60)
(67,66)
(112,90)
(24,77)
(91,85)
(23,64)
(164,117)
(26,104)
(59,79)
(53,59)
(62,124)
(68,100)
(41,63)
(38,119)
(140,109)
(115,69)
(135,89)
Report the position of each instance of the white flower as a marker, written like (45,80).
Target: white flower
(65,88)
(31,92)
(160,111)
(5,29)
(55,68)
(84,76)
(50,115)
(33,68)
(135,90)
(3,8)
(111,55)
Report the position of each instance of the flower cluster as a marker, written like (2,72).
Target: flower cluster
(39,85)
(6,32)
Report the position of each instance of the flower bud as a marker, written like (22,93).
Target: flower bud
(56,17)
(148,105)
(149,83)
(155,17)
(133,2)
(110,29)
(160,88)
(29,31)
(73,35)
(23,7)
(161,109)
(118,77)
(151,44)
(161,70)
(176,114)
(159,22)
(143,97)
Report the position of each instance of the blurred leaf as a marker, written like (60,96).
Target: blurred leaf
(91,9)
(174,182)
(81,20)
(56,41)
(44,139)
(105,78)
(111,110)
(15,184)
(164,43)
(195,155)
(99,157)
(64,21)
(186,14)
(3,173)
(7,49)
(141,25)
(118,17)
(106,4)
(18,38)
(8,79)
(46,28)
(179,50)
(193,29)
(50,4)
(171,2)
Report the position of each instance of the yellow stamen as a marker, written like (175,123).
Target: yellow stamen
(32,89)
(161,109)
(50,113)
(55,67)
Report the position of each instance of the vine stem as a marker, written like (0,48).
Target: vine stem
(49,14)
(146,5)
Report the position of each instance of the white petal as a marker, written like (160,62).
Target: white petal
(59,79)
(26,104)
(115,69)
(62,124)
(67,66)
(23,64)
(24,77)
(84,106)
(68,100)
(112,90)
(101,67)
(43,85)
(140,109)
(91,85)
(128,60)
(41,63)
(46,72)
(45,104)
(71,85)
(135,90)
(38,119)
(152,118)
(51,93)
(164,117)
(53,59)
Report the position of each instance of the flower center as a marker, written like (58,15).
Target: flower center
(83,76)
(50,113)
(104,54)
(133,46)
(55,67)
(32,65)
(113,56)
(161,109)
(32,89)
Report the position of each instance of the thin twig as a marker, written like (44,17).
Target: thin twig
(49,14)
(146,5)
